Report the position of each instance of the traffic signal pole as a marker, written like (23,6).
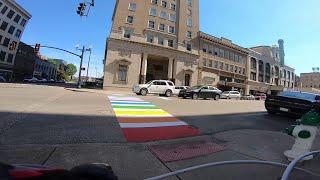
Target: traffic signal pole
(80,68)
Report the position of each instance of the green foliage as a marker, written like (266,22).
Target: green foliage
(71,70)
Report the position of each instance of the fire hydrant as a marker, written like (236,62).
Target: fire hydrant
(305,132)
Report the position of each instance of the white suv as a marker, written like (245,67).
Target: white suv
(230,95)
(162,87)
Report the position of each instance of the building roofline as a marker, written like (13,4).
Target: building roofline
(20,8)
(222,41)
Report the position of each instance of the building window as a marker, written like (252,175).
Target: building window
(10,58)
(160,41)
(210,63)
(216,51)
(151,24)
(150,38)
(2,55)
(4,10)
(189,12)
(162,27)
(17,18)
(189,2)
(163,15)
(188,46)
(172,17)
(130,19)
(204,62)
(154,1)
(18,33)
(1,38)
(171,30)
(216,64)
(122,73)
(189,34)
(153,12)
(231,68)
(164,4)
(189,22)
(231,56)
(226,67)
(236,58)
(173,7)
(10,14)
(132,6)
(236,69)
(226,54)
(6,42)
(221,53)
(23,22)
(11,29)
(4,25)
(170,43)
(221,65)
(127,33)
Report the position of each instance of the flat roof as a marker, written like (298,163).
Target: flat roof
(20,8)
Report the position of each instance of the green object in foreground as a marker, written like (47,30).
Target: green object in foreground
(311,119)
(290,129)
(304,134)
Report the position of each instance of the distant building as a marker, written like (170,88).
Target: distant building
(24,62)
(267,70)
(310,80)
(44,69)
(13,20)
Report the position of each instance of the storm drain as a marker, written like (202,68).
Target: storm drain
(182,151)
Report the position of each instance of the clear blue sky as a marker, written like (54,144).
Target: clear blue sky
(246,22)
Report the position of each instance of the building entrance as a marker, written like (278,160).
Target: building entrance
(157,68)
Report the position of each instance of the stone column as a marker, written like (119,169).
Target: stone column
(257,69)
(170,66)
(144,66)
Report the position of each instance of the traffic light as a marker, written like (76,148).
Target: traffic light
(81,9)
(13,45)
(37,48)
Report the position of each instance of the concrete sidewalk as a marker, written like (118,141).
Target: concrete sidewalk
(135,161)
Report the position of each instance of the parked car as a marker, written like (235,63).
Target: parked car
(52,80)
(248,97)
(260,96)
(177,89)
(162,87)
(205,92)
(292,103)
(33,80)
(230,95)
(43,80)
(2,79)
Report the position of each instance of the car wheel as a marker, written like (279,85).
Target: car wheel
(143,92)
(168,93)
(217,97)
(228,97)
(195,96)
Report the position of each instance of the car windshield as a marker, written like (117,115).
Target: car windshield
(195,87)
(299,95)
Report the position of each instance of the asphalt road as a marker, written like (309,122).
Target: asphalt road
(63,128)
(53,115)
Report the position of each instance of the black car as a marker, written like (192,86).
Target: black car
(205,92)
(292,103)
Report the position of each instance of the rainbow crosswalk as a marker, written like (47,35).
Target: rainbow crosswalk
(142,121)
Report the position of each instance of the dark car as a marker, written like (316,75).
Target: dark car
(205,92)
(292,103)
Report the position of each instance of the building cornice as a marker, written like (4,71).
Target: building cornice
(222,41)
(20,8)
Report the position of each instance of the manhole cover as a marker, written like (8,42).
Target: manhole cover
(182,151)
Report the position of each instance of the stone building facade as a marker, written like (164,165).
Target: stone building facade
(160,39)
(13,20)
(222,63)
(310,80)
(153,39)
(267,70)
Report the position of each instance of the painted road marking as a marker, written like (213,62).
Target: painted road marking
(142,121)
(165,98)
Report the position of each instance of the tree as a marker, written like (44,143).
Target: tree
(71,70)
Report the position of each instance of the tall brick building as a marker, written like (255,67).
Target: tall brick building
(160,39)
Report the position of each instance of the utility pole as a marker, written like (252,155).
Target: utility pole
(80,68)
(90,50)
